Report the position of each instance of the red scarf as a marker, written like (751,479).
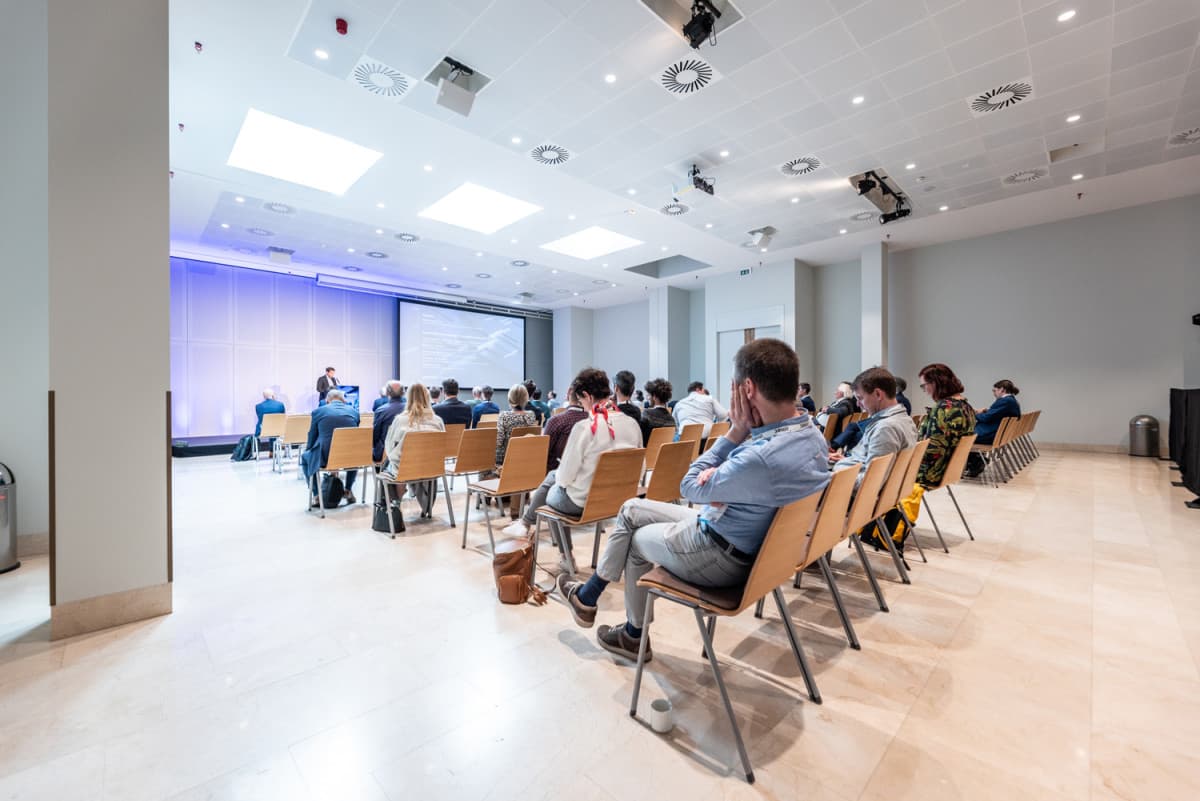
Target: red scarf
(601,409)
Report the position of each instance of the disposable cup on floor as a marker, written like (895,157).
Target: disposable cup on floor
(662,717)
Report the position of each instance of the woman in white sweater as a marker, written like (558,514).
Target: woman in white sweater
(417,416)
(604,429)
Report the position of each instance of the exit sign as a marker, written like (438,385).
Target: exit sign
(745,271)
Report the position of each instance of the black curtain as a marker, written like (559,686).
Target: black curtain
(1190,465)
(1178,425)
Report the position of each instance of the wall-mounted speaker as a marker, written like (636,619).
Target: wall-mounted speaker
(1196,319)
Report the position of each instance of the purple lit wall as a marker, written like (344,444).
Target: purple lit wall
(235,332)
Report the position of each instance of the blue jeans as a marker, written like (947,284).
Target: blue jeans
(649,533)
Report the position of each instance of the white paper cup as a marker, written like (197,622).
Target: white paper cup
(662,717)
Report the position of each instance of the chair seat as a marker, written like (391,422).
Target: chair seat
(717,599)
(488,486)
(980,448)
(550,511)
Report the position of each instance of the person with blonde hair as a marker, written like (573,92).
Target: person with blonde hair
(417,416)
(518,414)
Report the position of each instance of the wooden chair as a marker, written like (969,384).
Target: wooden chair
(827,532)
(907,482)
(558,410)
(454,435)
(523,471)
(673,462)
(953,474)
(830,427)
(889,498)
(488,421)
(862,512)
(422,458)
(366,419)
(615,481)
(295,432)
(658,438)
(997,470)
(717,431)
(917,418)
(526,431)
(781,550)
(272,429)
(692,433)
(476,453)
(350,449)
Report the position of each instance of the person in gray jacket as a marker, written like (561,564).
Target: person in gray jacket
(889,429)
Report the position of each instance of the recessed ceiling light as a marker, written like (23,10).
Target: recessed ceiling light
(513,241)
(349,250)
(351,268)
(518,283)
(762,250)
(570,216)
(708,225)
(794,200)
(576,294)
(631,191)
(842,231)
(428,168)
(321,54)
(478,253)
(610,78)
(1074,118)
(613,285)
(554,272)
(483,275)
(224,225)
(1067,15)
(516,140)
(724,154)
(454,286)
(478,208)
(943,208)
(379,230)
(239,199)
(1077,176)
(591,243)
(663,248)
(272,146)
(857,100)
(445,269)
(381,205)
(910,166)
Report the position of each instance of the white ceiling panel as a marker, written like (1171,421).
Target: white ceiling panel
(1003,40)
(905,46)
(973,17)
(1152,16)
(1077,43)
(1146,48)
(817,47)
(878,19)
(762,75)
(1042,25)
(785,20)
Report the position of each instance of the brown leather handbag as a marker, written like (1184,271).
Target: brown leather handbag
(512,564)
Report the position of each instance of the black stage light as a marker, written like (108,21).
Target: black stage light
(866,185)
(700,26)
(898,214)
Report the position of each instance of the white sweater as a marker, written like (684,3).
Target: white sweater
(401,425)
(583,449)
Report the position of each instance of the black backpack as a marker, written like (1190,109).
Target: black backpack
(244,450)
(332,490)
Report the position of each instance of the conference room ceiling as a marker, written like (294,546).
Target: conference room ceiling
(985,108)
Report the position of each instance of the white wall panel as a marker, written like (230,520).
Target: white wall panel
(179,317)
(293,312)
(329,318)
(210,304)
(254,307)
(363,321)
(250,364)
(210,369)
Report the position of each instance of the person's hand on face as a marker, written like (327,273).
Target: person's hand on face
(742,415)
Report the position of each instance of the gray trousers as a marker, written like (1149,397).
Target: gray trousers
(552,494)
(650,533)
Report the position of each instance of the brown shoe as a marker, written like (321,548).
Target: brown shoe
(616,640)
(585,616)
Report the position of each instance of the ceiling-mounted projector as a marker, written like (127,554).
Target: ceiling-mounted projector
(760,237)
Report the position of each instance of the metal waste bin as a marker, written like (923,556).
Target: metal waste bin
(8,520)
(1143,436)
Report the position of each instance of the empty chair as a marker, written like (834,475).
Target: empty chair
(350,449)
(717,431)
(523,470)
(692,433)
(488,421)
(295,432)
(454,435)
(366,419)
(780,552)
(674,459)
(658,438)
(954,469)
(526,431)
(423,458)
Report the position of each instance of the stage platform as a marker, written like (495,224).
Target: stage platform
(204,446)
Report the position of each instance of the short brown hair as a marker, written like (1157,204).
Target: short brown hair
(773,367)
(593,382)
(660,389)
(874,378)
(945,382)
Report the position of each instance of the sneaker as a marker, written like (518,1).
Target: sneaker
(516,529)
(616,640)
(313,503)
(349,497)
(585,616)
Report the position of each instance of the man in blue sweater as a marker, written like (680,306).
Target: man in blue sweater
(772,455)
(268,406)
(334,414)
(483,407)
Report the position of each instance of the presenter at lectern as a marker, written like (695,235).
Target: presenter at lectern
(326,383)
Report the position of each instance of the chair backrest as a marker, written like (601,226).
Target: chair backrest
(422,455)
(350,447)
(524,464)
(831,519)
(295,431)
(917,418)
(889,495)
(525,431)
(615,481)
(691,432)
(454,435)
(488,418)
(558,410)
(674,459)
(658,437)
(366,419)
(830,427)
(914,467)
(958,460)
(862,511)
(476,451)
(274,424)
(781,549)
(718,430)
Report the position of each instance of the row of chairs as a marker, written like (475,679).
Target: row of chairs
(1011,450)
(831,423)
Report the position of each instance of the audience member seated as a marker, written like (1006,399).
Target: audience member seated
(268,405)
(559,426)
(538,405)
(517,415)
(538,408)
(946,422)
(552,401)
(804,398)
(658,415)
(639,398)
(843,405)
(889,429)
(623,385)
(435,395)
(606,428)
(418,416)
(901,386)
(476,396)
(485,406)
(987,421)
(452,410)
(335,413)
(698,407)
(770,457)
(381,400)
(394,392)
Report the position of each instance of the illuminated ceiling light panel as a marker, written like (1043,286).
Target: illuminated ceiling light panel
(279,148)
(591,243)
(478,208)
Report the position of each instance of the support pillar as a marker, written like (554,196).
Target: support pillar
(874,304)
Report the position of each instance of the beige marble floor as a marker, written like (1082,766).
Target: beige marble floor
(1053,659)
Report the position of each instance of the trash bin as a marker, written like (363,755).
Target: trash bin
(1143,436)
(8,520)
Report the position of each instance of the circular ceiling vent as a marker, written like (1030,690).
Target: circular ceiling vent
(408,239)
(454,286)
(1025,177)
(863,216)
(800,166)
(1001,97)
(552,155)
(376,254)
(260,232)
(279,208)
(352,268)
(929,188)
(1184,138)
(600,281)
(687,76)
(483,275)
(380,79)
(675,209)
(519,263)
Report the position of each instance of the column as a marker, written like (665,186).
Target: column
(670,338)
(874,302)
(573,345)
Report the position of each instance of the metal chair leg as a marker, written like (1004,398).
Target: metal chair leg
(387,506)
(758,609)
(466,516)
(716,671)
(320,496)
(596,546)
(827,572)
(912,533)
(933,520)
(449,505)
(801,660)
(862,557)
(960,514)
(641,661)
(901,567)
(487,518)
